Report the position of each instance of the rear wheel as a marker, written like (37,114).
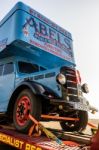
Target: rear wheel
(26,103)
(75,125)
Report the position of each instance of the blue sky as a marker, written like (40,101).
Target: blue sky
(81,18)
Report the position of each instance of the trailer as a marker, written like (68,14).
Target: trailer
(72,141)
(47,139)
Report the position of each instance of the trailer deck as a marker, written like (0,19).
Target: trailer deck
(48,139)
(73,141)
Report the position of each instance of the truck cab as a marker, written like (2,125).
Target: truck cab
(38,72)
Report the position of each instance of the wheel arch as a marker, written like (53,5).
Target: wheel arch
(25,85)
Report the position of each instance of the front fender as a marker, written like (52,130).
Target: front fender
(35,87)
(38,89)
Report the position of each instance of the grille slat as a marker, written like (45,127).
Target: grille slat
(72,84)
(72,91)
(71,78)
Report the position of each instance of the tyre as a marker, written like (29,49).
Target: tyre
(26,103)
(75,125)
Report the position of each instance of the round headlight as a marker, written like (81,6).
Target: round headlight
(61,78)
(85,88)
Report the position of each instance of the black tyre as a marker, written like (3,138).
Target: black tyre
(26,103)
(75,125)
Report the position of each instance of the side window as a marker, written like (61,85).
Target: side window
(25,67)
(1,69)
(8,68)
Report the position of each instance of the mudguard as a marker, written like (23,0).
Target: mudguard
(37,88)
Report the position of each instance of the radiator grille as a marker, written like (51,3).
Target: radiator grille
(71,85)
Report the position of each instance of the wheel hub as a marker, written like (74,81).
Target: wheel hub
(23,109)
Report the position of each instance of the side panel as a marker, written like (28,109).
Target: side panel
(7,82)
(32,29)
(7,32)
(43,36)
(6,88)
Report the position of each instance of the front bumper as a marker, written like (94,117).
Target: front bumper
(70,105)
(80,106)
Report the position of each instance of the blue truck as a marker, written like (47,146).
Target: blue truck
(38,72)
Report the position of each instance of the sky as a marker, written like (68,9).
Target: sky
(81,18)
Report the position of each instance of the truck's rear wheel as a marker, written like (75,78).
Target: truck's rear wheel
(75,125)
(26,103)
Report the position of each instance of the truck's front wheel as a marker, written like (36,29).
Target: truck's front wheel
(26,103)
(75,125)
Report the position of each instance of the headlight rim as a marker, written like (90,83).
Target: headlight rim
(57,79)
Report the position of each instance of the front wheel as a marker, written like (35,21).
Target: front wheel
(26,103)
(75,125)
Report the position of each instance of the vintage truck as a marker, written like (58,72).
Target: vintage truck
(38,72)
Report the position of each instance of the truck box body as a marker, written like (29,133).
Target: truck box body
(31,34)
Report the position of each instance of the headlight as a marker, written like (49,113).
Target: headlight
(61,79)
(85,88)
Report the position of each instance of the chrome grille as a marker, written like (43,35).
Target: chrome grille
(71,82)
(71,85)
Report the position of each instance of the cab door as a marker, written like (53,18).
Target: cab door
(7,80)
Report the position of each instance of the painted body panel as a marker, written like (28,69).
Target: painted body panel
(32,38)
(9,83)
(37,31)
(6,88)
